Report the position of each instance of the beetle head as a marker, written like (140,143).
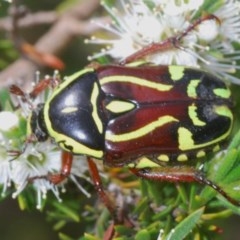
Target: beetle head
(36,124)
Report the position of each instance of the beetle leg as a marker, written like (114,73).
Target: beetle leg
(99,187)
(14,89)
(118,218)
(169,43)
(40,87)
(180,174)
(43,85)
(65,171)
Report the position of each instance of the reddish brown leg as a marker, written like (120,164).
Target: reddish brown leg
(40,87)
(172,42)
(118,219)
(67,159)
(99,187)
(180,174)
(65,171)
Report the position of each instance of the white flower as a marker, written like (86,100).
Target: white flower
(137,24)
(8,120)
(36,163)
(5,171)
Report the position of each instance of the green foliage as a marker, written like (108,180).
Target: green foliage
(8,53)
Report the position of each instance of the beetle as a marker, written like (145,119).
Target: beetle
(149,118)
(153,119)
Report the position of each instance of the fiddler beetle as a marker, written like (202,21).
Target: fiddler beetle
(152,119)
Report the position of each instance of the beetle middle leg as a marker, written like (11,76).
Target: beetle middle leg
(180,174)
(169,43)
(119,217)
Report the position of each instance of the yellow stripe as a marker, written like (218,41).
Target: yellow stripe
(69,109)
(78,148)
(95,116)
(145,162)
(192,112)
(135,80)
(192,88)
(176,72)
(223,93)
(118,106)
(185,136)
(140,132)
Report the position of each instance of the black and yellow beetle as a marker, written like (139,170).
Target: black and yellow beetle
(120,114)
(152,119)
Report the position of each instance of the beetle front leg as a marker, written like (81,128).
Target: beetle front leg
(180,174)
(65,171)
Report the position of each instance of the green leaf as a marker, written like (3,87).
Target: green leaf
(64,208)
(208,6)
(5,100)
(143,235)
(123,230)
(235,142)
(220,167)
(90,237)
(64,237)
(186,226)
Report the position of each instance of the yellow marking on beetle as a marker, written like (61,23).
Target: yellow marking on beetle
(223,111)
(131,165)
(216,148)
(76,75)
(78,148)
(97,120)
(192,112)
(141,131)
(118,106)
(145,162)
(223,93)
(136,80)
(65,83)
(176,72)
(201,154)
(182,157)
(163,157)
(136,63)
(186,141)
(192,88)
(69,110)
